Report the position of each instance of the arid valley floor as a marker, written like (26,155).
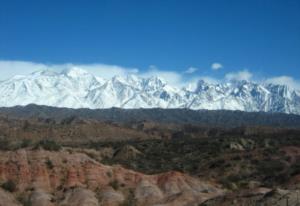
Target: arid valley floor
(81,161)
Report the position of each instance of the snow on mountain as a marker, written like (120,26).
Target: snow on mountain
(76,88)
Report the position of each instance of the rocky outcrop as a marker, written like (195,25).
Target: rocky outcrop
(242,144)
(80,197)
(41,198)
(127,152)
(7,199)
(70,178)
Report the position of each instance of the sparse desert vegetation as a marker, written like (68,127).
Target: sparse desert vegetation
(132,163)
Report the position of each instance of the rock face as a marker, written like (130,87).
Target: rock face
(41,198)
(127,152)
(7,199)
(62,178)
(80,196)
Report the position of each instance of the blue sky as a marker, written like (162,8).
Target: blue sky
(261,37)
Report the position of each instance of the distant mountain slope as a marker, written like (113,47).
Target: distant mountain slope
(182,116)
(76,88)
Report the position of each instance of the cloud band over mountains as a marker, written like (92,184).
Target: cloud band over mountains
(9,69)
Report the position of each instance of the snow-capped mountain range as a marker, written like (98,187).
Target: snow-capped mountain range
(76,88)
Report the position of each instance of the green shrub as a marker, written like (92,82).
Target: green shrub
(49,145)
(49,164)
(26,125)
(130,201)
(24,200)
(26,143)
(109,174)
(9,186)
(114,184)
(268,167)
(4,144)
(295,169)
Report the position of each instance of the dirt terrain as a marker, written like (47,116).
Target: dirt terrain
(42,177)
(80,161)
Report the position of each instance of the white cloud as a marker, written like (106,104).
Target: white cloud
(172,77)
(284,80)
(192,84)
(106,71)
(11,68)
(179,79)
(216,66)
(240,75)
(210,80)
(191,70)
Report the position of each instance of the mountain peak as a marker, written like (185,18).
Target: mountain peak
(157,80)
(46,72)
(201,85)
(119,78)
(74,72)
(76,88)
